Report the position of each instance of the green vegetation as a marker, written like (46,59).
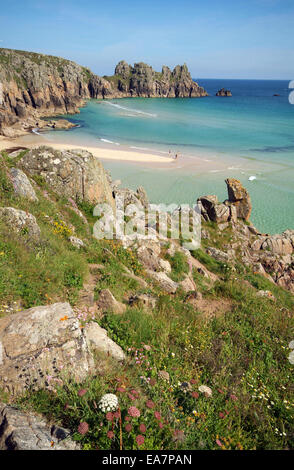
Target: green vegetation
(179,266)
(173,350)
(241,356)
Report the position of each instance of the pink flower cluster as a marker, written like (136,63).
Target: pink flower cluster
(134,412)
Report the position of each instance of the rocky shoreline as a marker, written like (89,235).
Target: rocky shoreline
(34,85)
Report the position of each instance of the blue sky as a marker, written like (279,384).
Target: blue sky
(216,38)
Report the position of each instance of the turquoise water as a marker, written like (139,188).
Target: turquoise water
(250,134)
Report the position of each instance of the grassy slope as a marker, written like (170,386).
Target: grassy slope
(241,354)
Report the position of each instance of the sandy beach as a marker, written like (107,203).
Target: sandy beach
(31,141)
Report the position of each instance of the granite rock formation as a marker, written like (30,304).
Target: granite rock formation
(41,346)
(34,85)
(142,80)
(75,174)
(27,431)
(223,92)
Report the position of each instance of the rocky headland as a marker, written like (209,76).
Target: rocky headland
(35,85)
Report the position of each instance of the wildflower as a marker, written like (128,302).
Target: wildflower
(110,434)
(121,389)
(116,414)
(142,428)
(221,415)
(157,415)
(233,397)
(160,424)
(82,392)
(150,404)
(128,427)
(134,412)
(83,428)
(218,442)
(206,390)
(193,381)
(135,393)
(131,397)
(109,416)
(140,440)
(152,382)
(108,402)
(127,418)
(195,395)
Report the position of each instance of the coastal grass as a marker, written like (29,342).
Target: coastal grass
(241,356)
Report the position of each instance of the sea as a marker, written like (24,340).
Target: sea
(249,136)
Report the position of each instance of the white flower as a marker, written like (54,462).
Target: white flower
(206,390)
(291,344)
(108,402)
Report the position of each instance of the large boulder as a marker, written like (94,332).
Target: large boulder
(42,345)
(21,222)
(74,174)
(22,185)
(240,198)
(26,431)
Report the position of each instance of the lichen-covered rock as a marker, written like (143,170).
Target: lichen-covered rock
(22,222)
(22,185)
(26,431)
(98,340)
(220,213)
(278,244)
(149,258)
(218,255)
(108,303)
(188,284)
(42,345)
(240,198)
(165,282)
(72,173)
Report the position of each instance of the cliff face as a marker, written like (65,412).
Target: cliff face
(142,80)
(34,85)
